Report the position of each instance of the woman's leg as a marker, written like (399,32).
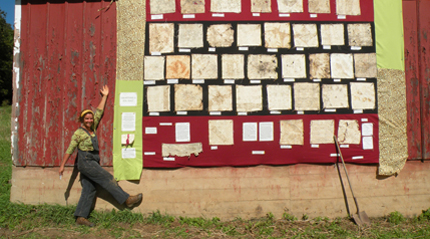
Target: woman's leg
(87,198)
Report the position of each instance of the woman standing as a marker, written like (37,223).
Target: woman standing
(88,163)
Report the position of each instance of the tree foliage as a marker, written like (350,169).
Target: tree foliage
(6,60)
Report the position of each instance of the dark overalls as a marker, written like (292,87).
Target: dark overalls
(91,174)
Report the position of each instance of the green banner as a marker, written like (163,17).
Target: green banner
(127,159)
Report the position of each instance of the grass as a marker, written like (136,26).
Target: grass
(55,221)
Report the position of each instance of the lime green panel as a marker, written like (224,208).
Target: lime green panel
(389,34)
(127,169)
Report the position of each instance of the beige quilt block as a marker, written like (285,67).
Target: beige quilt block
(192,6)
(332,35)
(220,35)
(178,67)
(342,66)
(279,97)
(262,67)
(162,6)
(305,35)
(289,6)
(362,95)
(365,65)
(221,132)
(294,66)
(306,96)
(348,7)
(158,98)
(335,96)
(153,67)
(291,132)
(188,97)
(261,6)
(319,6)
(277,35)
(348,132)
(204,66)
(220,98)
(248,34)
(322,131)
(233,66)
(190,36)
(249,98)
(226,6)
(360,34)
(161,37)
(319,66)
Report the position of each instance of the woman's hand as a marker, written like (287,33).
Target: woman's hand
(61,170)
(105,90)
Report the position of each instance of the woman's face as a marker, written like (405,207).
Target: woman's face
(88,120)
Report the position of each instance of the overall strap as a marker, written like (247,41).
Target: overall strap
(86,131)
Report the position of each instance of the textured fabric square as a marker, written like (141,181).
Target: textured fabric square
(154,67)
(261,6)
(319,66)
(279,97)
(287,6)
(162,6)
(341,66)
(360,34)
(348,7)
(220,98)
(319,6)
(306,96)
(249,98)
(190,35)
(322,131)
(362,95)
(248,34)
(158,98)
(335,96)
(220,35)
(305,35)
(178,67)
(348,132)
(204,66)
(262,67)
(365,65)
(226,6)
(332,35)
(221,132)
(277,35)
(294,66)
(233,66)
(161,37)
(192,6)
(291,132)
(188,97)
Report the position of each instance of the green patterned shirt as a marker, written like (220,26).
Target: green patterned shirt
(81,139)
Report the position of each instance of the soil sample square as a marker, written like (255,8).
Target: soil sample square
(365,65)
(248,34)
(291,132)
(288,6)
(341,66)
(277,35)
(161,37)
(153,67)
(362,96)
(178,67)
(220,35)
(249,98)
(188,97)
(233,66)
(322,131)
(319,6)
(158,98)
(279,97)
(226,6)
(348,132)
(332,35)
(162,6)
(192,6)
(360,34)
(319,66)
(190,36)
(220,98)
(262,67)
(306,96)
(335,96)
(261,6)
(348,7)
(204,66)
(221,132)
(294,66)
(305,35)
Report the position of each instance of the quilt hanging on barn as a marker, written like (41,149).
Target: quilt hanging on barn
(239,83)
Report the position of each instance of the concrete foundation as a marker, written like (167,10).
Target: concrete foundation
(248,192)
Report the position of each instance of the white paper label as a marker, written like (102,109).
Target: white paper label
(289,80)
(368,142)
(341,16)
(275,112)
(355,48)
(243,48)
(217,14)
(212,49)
(357,157)
(182,132)
(228,81)
(148,153)
(266,131)
(128,99)
(128,121)
(330,110)
(157,17)
(128,153)
(188,16)
(182,113)
(284,14)
(272,50)
(214,113)
(255,81)
(286,147)
(300,49)
(334,155)
(184,50)
(258,152)
(200,81)
(172,81)
(214,147)
(168,158)
(367,129)
(361,79)
(249,131)
(149,82)
(315,145)
(325,47)
(150,130)
(313,15)
(255,14)
(166,124)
